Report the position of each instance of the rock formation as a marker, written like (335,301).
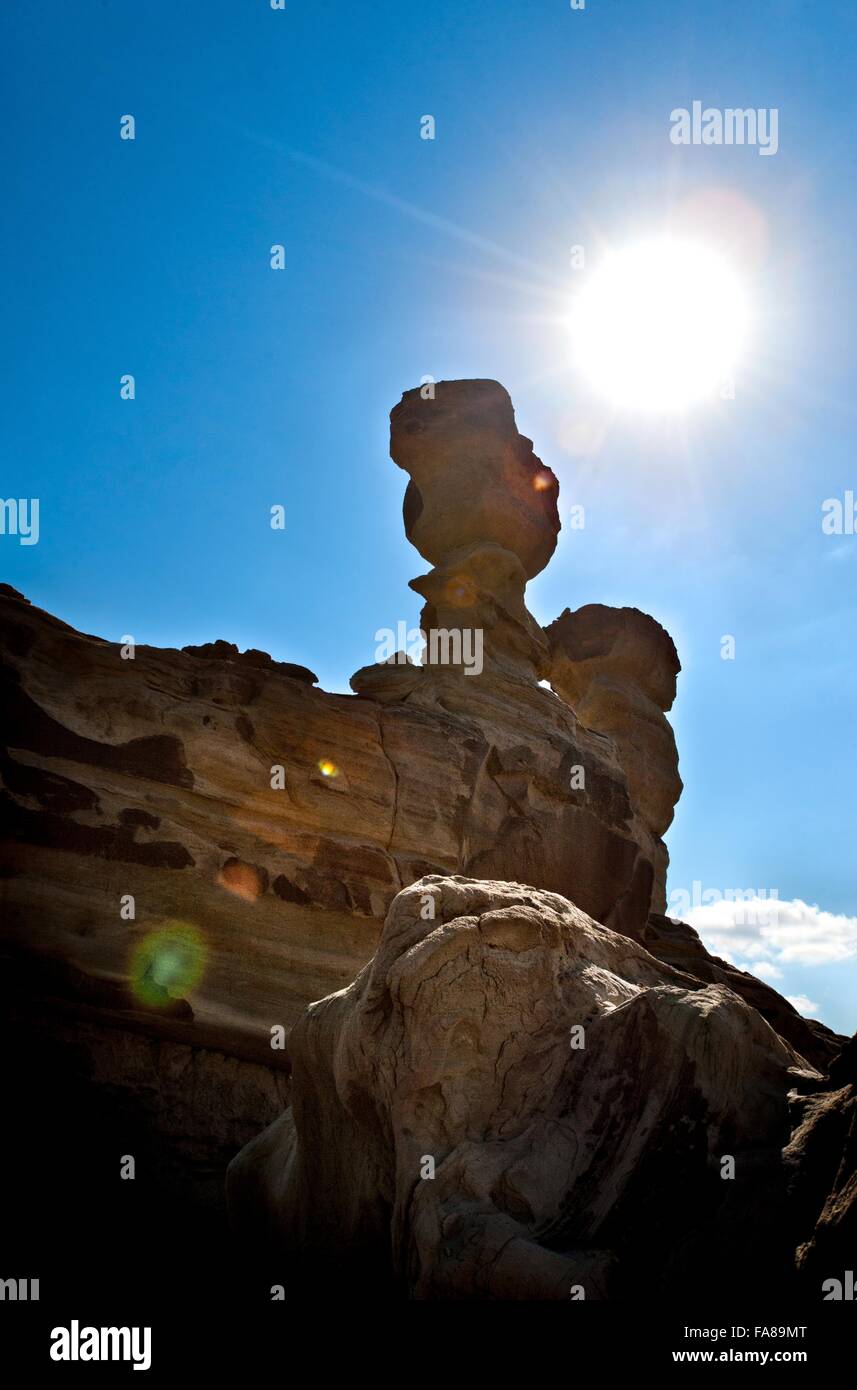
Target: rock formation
(677,944)
(617,669)
(158,769)
(217,807)
(483,509)
(511,1101)
(821,1160)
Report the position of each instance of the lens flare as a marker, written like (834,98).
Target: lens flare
(167,963)
(328,768)
(460,591)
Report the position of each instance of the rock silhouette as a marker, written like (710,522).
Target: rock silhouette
(565,1084)
(296,830)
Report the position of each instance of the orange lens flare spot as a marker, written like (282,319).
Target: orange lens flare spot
(244,880)
(543,480)
(460,592)
(328,768)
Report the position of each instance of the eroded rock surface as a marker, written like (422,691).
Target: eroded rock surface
(151,779)
(617,668)
(483,509)
(474,479)
(220,793)
(822,1160)
(677,944)
(512,1101)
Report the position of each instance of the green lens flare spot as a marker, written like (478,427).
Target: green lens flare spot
(167,963)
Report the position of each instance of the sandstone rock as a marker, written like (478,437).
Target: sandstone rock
(152,780)
(147,777)
(9,592)
(388,681)
(549,1161)
(480,590)
(617,668)
(843,1067)
(227,651)
(474,478)
(620,644)
(678,945)
(822,1159)
(483,509)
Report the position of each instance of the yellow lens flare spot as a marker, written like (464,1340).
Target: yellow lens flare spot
(328,768)
(167,964)
(543,480)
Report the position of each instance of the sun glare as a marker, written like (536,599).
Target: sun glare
(660,326)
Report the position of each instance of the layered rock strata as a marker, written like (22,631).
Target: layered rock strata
(219,798)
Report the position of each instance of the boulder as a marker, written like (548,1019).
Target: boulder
(474,478)
(617,669)
(507,1102)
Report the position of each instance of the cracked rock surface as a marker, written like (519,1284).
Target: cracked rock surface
(223,793)
(512,1101)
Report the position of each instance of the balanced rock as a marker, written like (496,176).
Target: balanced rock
(474,478)
(483,508)
(277,823)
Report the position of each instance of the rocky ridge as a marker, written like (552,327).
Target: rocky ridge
(285,826)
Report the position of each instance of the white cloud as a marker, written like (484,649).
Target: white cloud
(775,932)
(803,1005)
(765,970)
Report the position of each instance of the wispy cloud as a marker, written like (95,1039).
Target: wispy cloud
(770,933)
(392,200)
(803,1005)
(765,970)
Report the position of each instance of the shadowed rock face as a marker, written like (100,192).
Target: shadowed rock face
(483,509)
(151,780)
(822,1163)
(617,668)
(507,1100)
(677,944)
(156,772)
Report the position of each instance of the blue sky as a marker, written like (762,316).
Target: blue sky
(407,257)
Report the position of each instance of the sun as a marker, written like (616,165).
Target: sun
(660,326)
